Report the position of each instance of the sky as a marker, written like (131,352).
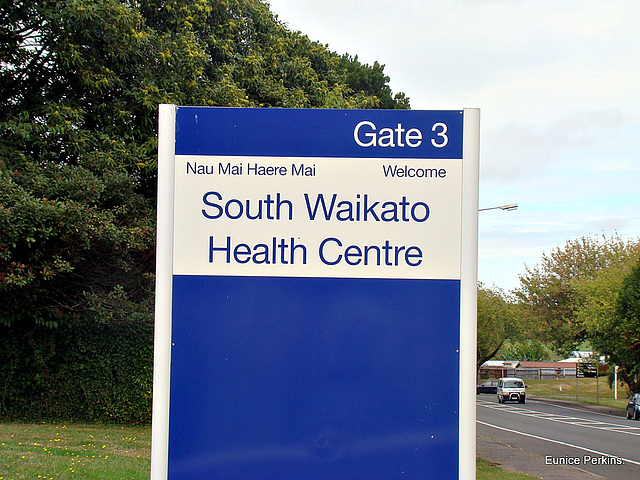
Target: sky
(558,86)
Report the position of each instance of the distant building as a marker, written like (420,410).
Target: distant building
(526,370)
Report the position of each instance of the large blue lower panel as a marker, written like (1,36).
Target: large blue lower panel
(314,378)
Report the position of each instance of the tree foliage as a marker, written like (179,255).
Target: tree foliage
(498,320)
(525,350)
(615,326)
(587,291)
(81,82)
(569,281)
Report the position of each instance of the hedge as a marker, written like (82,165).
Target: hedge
(81,371)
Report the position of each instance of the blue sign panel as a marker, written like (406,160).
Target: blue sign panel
(314,378)
(319,133)
(316,286)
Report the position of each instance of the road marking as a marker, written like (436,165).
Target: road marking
(575,409)
(579,422)
(558,442)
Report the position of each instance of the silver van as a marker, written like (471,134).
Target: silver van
(511,389)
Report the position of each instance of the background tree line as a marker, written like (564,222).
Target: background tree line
(80,84)
(585,292)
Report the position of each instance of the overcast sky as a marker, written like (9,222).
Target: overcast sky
(558,85)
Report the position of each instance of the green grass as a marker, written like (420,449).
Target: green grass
(589,391)
(65,452)
(489,471)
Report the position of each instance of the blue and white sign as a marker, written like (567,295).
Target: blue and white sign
(316,294)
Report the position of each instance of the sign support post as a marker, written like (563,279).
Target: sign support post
(469,294)
(163,297)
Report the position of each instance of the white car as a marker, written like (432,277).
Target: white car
(511,389)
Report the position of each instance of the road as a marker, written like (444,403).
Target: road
(557,441)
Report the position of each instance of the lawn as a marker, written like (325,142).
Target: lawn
(87,452)
(590,390)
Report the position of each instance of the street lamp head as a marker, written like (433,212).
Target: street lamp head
(509,207)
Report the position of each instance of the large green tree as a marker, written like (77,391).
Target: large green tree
(569,280)
(609,312)
(81,82)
